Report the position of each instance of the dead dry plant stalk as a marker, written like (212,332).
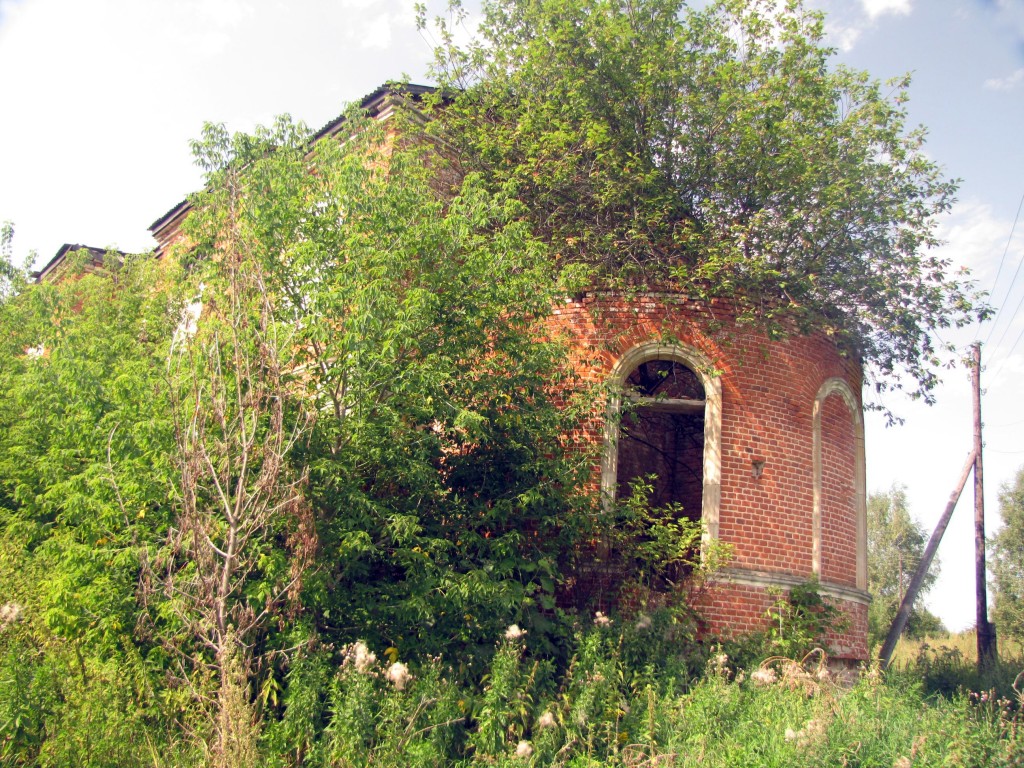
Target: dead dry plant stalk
(235,425)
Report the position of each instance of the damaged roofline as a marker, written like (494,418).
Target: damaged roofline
(375,104)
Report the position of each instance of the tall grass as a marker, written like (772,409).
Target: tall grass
(637,693)
(947,664)
(963,643)
(607,710)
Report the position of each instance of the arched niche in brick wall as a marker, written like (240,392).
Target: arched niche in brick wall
(839,389)
(635,364)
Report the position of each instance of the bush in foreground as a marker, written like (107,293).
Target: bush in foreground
(635,693)
(606,710)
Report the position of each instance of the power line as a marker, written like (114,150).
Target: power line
(1009,424)
(999,272)
(1013,316)
(1015,343)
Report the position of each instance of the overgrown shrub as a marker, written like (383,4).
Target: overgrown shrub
(604,711)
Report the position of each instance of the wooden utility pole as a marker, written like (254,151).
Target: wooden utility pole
(907,604)
(986,632)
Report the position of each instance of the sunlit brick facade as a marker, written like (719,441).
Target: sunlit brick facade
(778,468)
(782,465)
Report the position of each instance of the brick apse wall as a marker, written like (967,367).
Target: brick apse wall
(782,474)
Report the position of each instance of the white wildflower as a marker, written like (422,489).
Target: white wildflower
(812,731)
(763,676)
(644,622)
(362,658)
(10,613)
(601,620)
(514,632)
(398,674)
(719,665)
(524,749)
(546,720)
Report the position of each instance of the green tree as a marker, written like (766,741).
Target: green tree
(717,150)
(85,465)
(1007,564)
(357,438)
(368,414)
(10,276)
(896,543)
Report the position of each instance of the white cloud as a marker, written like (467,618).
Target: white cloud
(846,22)
(876,8)
(99,148)
(843,36)
(373,32)
(977,238)
(8,8)
(1007,83)
(972,234)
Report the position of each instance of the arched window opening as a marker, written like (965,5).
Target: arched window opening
(661,435)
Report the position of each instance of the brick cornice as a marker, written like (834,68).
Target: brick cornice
(752,578)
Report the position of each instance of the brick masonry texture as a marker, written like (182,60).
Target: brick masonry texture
(768,394)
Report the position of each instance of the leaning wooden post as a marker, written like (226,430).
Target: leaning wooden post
(903,614)
(986,632)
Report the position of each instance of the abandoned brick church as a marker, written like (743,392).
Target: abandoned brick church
(765,438)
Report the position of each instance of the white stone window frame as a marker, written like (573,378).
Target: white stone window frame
(711,495)
(838,386)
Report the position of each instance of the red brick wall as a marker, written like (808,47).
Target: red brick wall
(731,610)
(768,394)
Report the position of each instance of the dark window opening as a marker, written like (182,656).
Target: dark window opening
(662,435)
(665,379)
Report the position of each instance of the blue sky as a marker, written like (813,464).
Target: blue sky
(99,100)
(967,62)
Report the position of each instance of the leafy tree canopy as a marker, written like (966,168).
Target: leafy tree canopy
(1008,560)
(896,543)
(718,150)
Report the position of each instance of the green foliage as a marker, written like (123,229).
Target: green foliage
(798,622)
(643,553)
(896,543)
(718,150)
(412,333)
(335,411)
(1007,564)
(945,670)
(11,278)
(605,711)
(335,421)
(661,542)
(84,465)
(801,618)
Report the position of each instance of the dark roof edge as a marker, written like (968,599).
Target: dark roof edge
(97,254)
(373,103)
(159,223)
